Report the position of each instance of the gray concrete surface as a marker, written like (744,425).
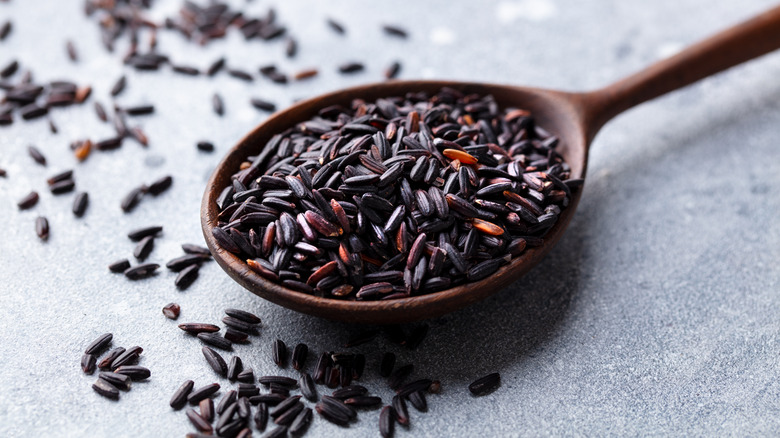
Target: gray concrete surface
(657,314)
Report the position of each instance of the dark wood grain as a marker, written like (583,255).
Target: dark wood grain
(743,42)
(575,117)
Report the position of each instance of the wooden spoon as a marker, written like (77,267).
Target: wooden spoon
(574,117)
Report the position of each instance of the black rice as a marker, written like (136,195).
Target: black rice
(392,71)
(308,389)
(42,227)
(323,363)
(36,155)
(358,366)
(244,408)
(226,401)
(105,363)
(416,336)
(215,340)
(101,112)
(284,406)
(128,357)
(106,389)
(71,50)
(363,401)
(386,421)
(238,324)
(119,86)
(144,248)
(240,74)
(349,391)
(362,338)
(203,393)
(337,406)
(159,186)
(273,74)
(290,414)
(33,111)
(243,316)
(234,368)
(134,372)
(5,29)
(119,266)
(88,363)
(61,187)
(132,199)
(301,423)
(110,143)
(99,344)
(332,414)
(415,386)
(139,135)
(227,415)
(187,276)
(278,432)
(199,422)
(185,70)
(246,390)
(232,428)
(279,353)
(261,417)
(121,381)
(395,31)
(171,311)
(80,204)
(190,248)
(278,380)
(268,399)
(399,375)
(179,398)
(62,176)
(215,361)
(417,399)
(299,356)
(336,26)
(141,271)
(387,364)
(28,201)
(485,385)
(9,69)
(207,409)
(263,104)
(215,67)
(198,327)
(351,67)
(217,104)
(139,110)
(401,412)
(205,146)
(236,336)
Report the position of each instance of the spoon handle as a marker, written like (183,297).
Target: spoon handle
(745,41)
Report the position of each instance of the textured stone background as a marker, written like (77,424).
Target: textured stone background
(657,314)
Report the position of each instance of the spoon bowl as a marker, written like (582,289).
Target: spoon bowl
(555,111)
(574,118)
